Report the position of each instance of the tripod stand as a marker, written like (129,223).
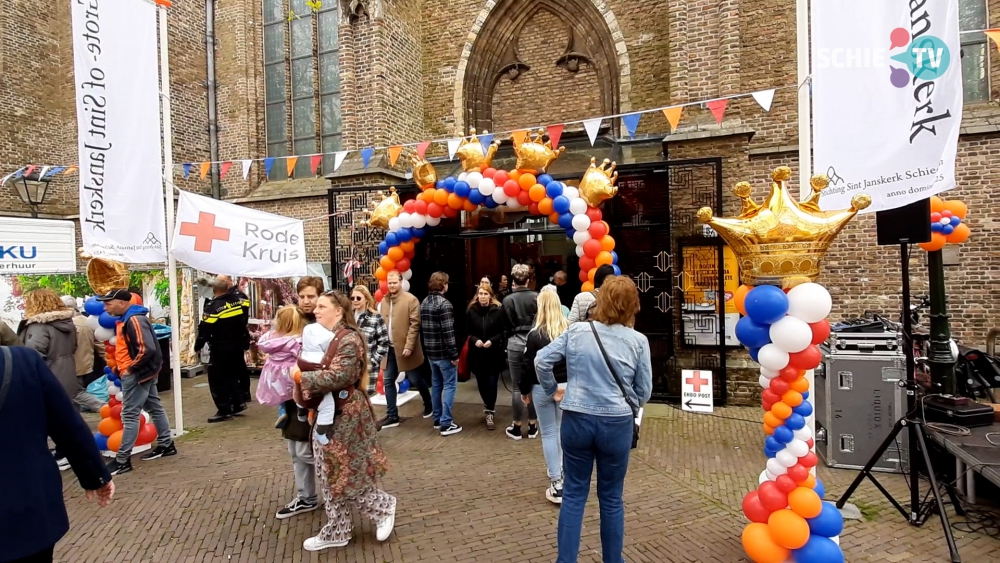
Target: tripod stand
(918,514)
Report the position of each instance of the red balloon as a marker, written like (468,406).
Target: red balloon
(770,396)
(810,442)
(598,229)
(778,385)
(434,210)
(489,172)
(113,402)
(587,264)
(789,373)
(786,484)
(500,177)
(511,188)
(523,198)
(408,206)
(146,435)
(450,212)
(116,412)
(820,330)
(594,214)
(583,276)
(753,508)
(808,460)
(766,404)
(402,265)
(383,286)
(798,472)
(533,208)
(592,248)
(806,359)
(771,496)
(378,295)
(420,207)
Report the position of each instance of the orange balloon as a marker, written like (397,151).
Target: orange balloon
(109,426)
(587,286)
(527,180)
(515,175)
(810,482)
(805,502)
(395,253)
(607,243)
(380,273)
(115,441)
(387,263)
(788,529)
(469,206)
(769,430)
(937,204)
(296,374)
(426,195)
(937,242)
(554,217)
(760,547)
(441,196)
(455,202)
(959,235)
(781,410)
(801,385)
(105,411)
(112,363)
(536,193)
(957,208)
(545,206)
(604,257)
(407,246)
(591,274)
(792,398)
(771,420)
(740,298)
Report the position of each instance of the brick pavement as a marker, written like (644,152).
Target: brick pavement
(473,497)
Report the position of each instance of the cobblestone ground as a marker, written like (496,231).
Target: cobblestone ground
(473,497)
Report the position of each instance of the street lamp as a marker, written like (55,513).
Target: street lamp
(31,189)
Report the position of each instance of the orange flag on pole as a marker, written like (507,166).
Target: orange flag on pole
(519,137)
(290,165)
(70,170)
(994,34)
(205,167)
(673,116)
(394,154)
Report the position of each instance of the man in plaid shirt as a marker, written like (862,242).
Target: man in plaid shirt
(437,326)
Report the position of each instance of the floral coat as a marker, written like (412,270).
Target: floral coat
(353,461)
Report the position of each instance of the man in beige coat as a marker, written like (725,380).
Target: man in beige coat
(87,346)
(401,311)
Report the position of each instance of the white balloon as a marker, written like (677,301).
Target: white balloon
(113,341)
(407,274)
(797,448)
(581,236)
(810,302)
(577,206)
(570,193)
(119,396)
(93,322)
(791,334)
(786,458)
(394,224)
(474,179)
(487,186)
(775,467)
(404,220)
(406,285)
(770,476)
(772,357)
(512,203)
(579,251)
(109,385)
(144,415)
(500,196)
(804,434)
(433,221)
(768,373)
(104,334)
(835,539)
(114,390)
(417,220)
(463,177)
(763,477)
(581,222)
(764,382)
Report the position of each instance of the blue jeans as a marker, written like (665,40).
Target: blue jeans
(391,374)
(136,397)
(444,381)
(549,422)
(608,441)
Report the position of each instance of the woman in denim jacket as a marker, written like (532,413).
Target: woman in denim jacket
(597,420)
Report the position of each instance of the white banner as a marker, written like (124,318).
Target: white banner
(118,129)
(887,99)
(37,246)
(220,237)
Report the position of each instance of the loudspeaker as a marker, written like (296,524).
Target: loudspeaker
(909,224)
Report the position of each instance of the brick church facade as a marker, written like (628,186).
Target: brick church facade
(291,78)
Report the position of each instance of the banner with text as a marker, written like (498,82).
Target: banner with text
(220,237)
(887,99)
(118,129)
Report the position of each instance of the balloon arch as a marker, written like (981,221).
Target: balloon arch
(576,210)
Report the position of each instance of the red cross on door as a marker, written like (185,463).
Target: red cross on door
(696,381)
(204,232)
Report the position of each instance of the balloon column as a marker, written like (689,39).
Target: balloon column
(527,186)
(948,224)
(779,246)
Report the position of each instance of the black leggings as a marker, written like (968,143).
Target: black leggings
(40,557)
(488,389)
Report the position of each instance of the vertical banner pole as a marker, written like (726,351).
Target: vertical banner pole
(805,137)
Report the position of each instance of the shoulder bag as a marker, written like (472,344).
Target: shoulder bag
(621,386)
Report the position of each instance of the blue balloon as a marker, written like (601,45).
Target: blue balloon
(404,234)
(769,452)
(383,248)
(955,221)
(404,386)
(936,227)
(614,257)
(544,180)
(417,232)
(107,321)
(553,189)
(107,370)
(795,422)
(476,197)
(783,435)
(805,395)
(820,489)
(766,304)
(462,189)
(491,203)
(804,409)
(772,443)
(753,353)
(93,307)
(570,232)
(618,271)
(449,183)
(829,523)
(391,240)
(560,204)
(566,220)
(818,550)
(751,334)
(101,440)
(947,230)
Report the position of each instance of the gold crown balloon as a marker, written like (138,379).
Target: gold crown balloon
(424,173)
(470,152)
(535,156)
(781,242)
(387,208)
(598,183)
(104,274)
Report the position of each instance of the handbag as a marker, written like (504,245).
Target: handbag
(463,363)
(621,386)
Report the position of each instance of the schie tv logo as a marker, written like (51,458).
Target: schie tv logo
(925,58)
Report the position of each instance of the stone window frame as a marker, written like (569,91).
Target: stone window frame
(309,41)
(975,50)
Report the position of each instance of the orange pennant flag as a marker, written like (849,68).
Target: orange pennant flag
(290,165)
(394,154)
(224,169)
(994,34)
(70,170)
(314,162)
(519,137)
(718,108)
(673,116)
(205,167)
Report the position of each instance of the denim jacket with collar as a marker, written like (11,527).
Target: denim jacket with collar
(591,387)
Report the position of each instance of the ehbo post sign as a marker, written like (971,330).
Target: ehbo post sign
(696,391)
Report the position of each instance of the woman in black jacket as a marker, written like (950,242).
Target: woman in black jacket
(549,324)
(487,353)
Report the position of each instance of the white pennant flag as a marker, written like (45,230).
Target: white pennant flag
(45,170)
(338,159)
(592,126)
(246,167)
(9,176)
(452,147)
(764,98)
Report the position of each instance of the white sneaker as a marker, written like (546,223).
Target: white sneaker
(316,544)
(554,492)
(384,529)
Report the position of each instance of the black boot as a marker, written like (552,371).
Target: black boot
(220,416)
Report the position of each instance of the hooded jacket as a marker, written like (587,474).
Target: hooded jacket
(136,349)
(53,335)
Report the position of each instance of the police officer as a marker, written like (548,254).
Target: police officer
(224,328)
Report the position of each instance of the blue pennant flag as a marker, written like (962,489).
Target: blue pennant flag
(486,140)
(187,169)
(268,163)
(366,156)
(55,171)
(631,123)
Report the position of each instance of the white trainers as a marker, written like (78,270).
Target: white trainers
(385,527)
(316,544)
(554,492)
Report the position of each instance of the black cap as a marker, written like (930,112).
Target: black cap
(119,294)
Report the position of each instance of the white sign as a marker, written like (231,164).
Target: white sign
(37,246)
(118,129)
(216,236)
(887,99)
(696,391)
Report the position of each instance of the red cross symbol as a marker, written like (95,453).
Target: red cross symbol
(696,381)
(204,232)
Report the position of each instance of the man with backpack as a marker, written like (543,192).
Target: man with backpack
(583,305)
